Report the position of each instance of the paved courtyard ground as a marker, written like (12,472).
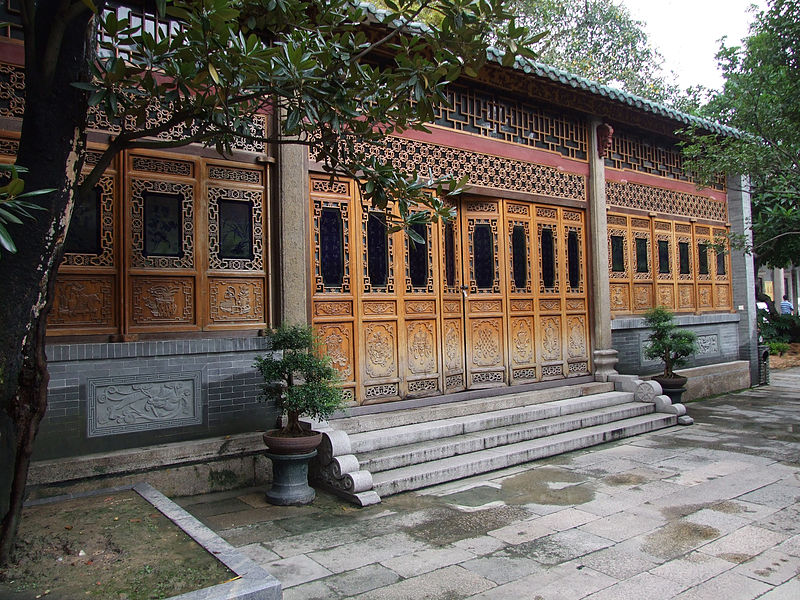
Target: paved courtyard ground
(710,511)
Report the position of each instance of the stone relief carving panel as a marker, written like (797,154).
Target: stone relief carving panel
(134,403)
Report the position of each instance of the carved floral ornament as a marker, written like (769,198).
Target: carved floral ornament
(605,133)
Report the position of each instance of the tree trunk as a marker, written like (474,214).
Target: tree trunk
(57,53)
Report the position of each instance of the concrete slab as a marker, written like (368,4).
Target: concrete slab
(423,561)
(643,585)
(443,584)
(787,591)
(726,585)
(296,570)
(346,557)
(692,569)
(743,543)
(771,567)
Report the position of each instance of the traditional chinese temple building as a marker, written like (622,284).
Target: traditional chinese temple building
(579,216)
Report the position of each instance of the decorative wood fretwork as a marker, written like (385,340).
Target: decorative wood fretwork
(654,199)
(635,153)
(9,147)
(12,91)
(319,204)
(139,187)
(105,189)
(481,169)
(150,164)
(255,199)
(488,115)
(236,175)
(158,115)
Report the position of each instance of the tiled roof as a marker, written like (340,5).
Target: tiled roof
(566,78)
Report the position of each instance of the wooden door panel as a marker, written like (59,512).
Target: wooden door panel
(485,277)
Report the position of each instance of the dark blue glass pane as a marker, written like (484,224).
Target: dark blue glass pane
(331,242)
(235,229)
(573,260)
(683,258)
(418,257)
(483,256)
(83,236)
(450,254)
(617,254)
(377,250)
(162,224)
(702,259)
(720,263)
(519,249)
(548,258)
(642,260)
(663,256)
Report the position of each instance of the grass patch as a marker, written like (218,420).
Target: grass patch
(117,546)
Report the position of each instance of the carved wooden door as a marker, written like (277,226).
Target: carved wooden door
(482,229)
(452,306)
(379,279)
(520,252)
(333,300)
(420,357)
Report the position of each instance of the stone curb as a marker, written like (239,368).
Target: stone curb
(252,581)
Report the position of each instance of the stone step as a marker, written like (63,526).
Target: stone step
(457,425)
(388,417)
(436,449)
(443,470)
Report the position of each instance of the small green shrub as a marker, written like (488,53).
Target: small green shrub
(299,378)
(666,341)
(778,348)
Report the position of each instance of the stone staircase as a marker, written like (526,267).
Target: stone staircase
(418,447)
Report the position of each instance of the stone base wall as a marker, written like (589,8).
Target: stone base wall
(177,469)
(715,379)
(106,397)
(717,337)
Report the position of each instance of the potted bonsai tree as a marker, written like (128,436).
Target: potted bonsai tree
(302,383)
(670,344)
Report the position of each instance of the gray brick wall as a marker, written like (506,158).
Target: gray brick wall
(719,334)
(230,389)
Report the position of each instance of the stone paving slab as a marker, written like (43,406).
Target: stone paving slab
(707,512)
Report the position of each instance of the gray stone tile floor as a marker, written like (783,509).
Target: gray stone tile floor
(710,511)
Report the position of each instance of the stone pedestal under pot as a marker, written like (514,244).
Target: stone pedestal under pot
(290,479)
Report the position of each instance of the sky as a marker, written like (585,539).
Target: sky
(686,32)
